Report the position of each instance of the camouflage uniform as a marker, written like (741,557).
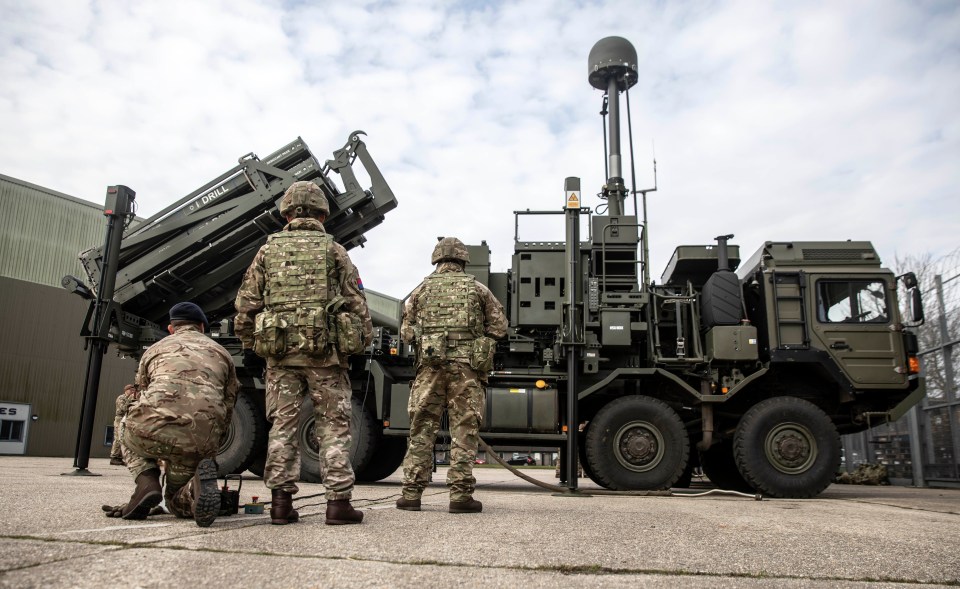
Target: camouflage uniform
(452,384)
(299,269)
(123,403)
(188,387)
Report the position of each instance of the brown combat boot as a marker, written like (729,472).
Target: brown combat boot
(146,496)
(340,512)
(466,506)
(408,504)
(206,493)
(281,508)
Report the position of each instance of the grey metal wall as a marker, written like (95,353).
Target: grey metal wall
(42,231)
(42,362)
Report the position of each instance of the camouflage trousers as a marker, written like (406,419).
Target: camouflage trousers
(329,389)
(115,451)
(456,387)
(180,449)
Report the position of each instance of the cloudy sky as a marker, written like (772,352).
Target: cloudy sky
(769,120)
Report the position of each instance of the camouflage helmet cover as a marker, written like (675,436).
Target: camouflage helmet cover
(450,248)
(304,194)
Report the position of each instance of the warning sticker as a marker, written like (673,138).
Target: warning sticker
(573,199)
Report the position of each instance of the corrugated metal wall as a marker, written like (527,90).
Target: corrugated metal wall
(42,231)
(42,362)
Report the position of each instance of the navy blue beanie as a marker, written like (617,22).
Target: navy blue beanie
(188,312)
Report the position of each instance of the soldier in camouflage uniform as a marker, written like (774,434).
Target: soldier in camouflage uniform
(451,318)
(188,387)
(301,306)
(124,400)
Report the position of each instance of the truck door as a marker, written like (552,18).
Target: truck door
(853,322)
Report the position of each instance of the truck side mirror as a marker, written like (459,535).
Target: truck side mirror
(916,306)
(910,280)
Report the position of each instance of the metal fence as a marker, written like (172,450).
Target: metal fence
(923,447)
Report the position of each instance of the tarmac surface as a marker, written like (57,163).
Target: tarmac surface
(53,534)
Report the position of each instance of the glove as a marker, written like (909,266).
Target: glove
(117,510)
(113,510)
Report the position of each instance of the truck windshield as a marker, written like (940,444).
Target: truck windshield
(851,301)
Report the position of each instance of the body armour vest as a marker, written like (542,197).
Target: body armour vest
(296,267)
(451,305)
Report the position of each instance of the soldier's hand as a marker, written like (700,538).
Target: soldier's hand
(113,510)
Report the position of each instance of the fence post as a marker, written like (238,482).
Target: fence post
(951,395)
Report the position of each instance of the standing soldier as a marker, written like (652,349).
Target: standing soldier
(124,400)
(188,387)
(451,318)
(312,315)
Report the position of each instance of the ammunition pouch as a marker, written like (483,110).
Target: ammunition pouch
(269,332)
(312,332)
(432,349)
(481,354)
(346,328)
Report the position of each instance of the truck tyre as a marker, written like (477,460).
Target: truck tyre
(364,432)
(787,447)
(246,434)
(693,460)
(582,456)
(720,467)
(637,442)
(387,458)
(259,463)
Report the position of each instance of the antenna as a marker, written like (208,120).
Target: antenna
(612,67)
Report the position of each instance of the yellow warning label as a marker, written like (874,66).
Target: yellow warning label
(573,200)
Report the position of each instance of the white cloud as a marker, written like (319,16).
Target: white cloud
(817,120)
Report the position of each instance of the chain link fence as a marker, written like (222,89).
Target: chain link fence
(923,447)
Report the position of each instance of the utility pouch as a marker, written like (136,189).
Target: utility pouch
(346,329)
(269,339)
(481,355)
(313,335)
(433,348)
(349,333)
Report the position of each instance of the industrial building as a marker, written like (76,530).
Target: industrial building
(42,356)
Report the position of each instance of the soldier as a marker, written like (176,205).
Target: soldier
(312,315)
(451,318)
(124,400)
(188,386)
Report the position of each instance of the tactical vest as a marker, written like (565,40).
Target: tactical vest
(295,297)
(451,310)
(296,270)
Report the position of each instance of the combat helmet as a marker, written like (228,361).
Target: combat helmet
(304,194)
(450,248)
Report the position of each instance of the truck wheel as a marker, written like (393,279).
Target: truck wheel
(637,442)
(720,467)
(693,460)
(258,464)
(247,433)
(364,434)
(787,447)
(582,456)
(386,459)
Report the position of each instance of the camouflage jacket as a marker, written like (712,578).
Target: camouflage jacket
(343,280)
(183,377)
(123,403)
(494,319)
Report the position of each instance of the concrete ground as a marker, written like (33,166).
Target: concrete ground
(55,535)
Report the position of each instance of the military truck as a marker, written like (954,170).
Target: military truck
(751,369)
